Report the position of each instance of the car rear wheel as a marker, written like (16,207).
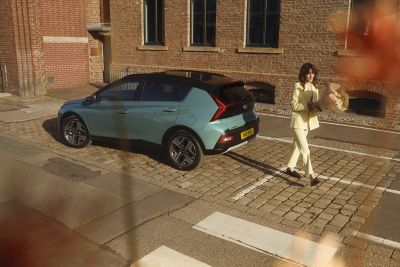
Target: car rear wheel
(74,132)
(184,151)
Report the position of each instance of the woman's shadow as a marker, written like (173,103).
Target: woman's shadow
(267,169)
(151,150)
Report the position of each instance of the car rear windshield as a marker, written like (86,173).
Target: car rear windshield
(233,94)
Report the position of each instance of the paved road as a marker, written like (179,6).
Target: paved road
(278,126)
(99,194)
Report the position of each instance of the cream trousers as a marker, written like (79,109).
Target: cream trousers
(300,146)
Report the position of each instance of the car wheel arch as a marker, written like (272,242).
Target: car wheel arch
(175,128)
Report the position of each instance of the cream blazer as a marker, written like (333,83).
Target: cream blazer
(302,117)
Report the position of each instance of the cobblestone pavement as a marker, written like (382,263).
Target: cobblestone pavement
(282,202)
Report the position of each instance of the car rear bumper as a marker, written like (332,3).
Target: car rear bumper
(237,138)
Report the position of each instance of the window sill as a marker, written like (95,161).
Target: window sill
(260,50)
(152,48)
(202,49)
(349,53)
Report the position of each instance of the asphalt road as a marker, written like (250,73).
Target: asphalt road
(278,126)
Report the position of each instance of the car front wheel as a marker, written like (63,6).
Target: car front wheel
(184,151)
(74,132)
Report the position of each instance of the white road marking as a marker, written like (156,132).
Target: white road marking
(336,124)
(266,240)
(378,240)
(329,148)
(257,184)
(267,178)
(166,257)
(354,183)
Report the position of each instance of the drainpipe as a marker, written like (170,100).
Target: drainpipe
(4,78)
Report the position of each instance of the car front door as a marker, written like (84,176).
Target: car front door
(107,116)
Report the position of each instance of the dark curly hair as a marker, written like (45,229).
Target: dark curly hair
(304,71)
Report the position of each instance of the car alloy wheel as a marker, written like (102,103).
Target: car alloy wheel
(74,132)
(184,151)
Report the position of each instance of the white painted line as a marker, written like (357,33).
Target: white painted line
(257,184)
(236,146)
(166,257)
(329,148)
(378,240)
(353,183)
(336,124)
(266,240)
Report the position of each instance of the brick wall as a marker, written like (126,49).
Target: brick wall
(96,65)
(34,65)
(65,62)
(8,62)
(306,35)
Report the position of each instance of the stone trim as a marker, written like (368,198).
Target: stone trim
(65,39)
(202,49)
(152,48)
(349,53)
(260,50)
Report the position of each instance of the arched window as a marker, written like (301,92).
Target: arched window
(262,92)
(366,103)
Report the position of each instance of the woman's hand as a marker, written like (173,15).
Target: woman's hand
(313,106)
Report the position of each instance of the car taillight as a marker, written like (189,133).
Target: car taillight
(224,139)
(221,109)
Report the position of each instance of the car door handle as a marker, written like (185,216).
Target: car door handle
(169,110)
(123,112)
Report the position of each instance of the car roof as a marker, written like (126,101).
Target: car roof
(203,80)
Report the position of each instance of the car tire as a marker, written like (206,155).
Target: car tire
(184,151)
(74,132)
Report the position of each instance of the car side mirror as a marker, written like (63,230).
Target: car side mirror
(93,98)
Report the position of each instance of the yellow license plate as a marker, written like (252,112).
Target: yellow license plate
(246,133)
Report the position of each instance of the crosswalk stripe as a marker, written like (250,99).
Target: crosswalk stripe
(257,184)
(379,240)
(166,257)
(266,240)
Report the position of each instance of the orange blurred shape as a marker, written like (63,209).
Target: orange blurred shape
(379,50)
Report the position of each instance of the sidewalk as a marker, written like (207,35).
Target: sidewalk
(19,109)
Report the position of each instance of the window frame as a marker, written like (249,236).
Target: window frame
(204,24)
(120,82)
(159,40)
(265,30)
(178,93)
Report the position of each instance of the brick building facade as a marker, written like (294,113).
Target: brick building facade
(306,34)
(44,44)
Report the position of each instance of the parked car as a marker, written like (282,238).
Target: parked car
(188,113)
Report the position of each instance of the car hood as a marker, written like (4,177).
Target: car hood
(75,102)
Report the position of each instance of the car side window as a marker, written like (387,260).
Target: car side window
(164,90)
(124,90)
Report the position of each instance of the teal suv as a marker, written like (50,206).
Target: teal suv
(188,113)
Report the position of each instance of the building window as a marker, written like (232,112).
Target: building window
(263,23)
(360,22)
(203,21)
(153,22)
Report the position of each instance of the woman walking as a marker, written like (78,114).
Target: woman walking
(304,119)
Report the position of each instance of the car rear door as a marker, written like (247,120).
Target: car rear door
(156,109)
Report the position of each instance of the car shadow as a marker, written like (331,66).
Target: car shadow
(267,169)
(51,127)
(151,150)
